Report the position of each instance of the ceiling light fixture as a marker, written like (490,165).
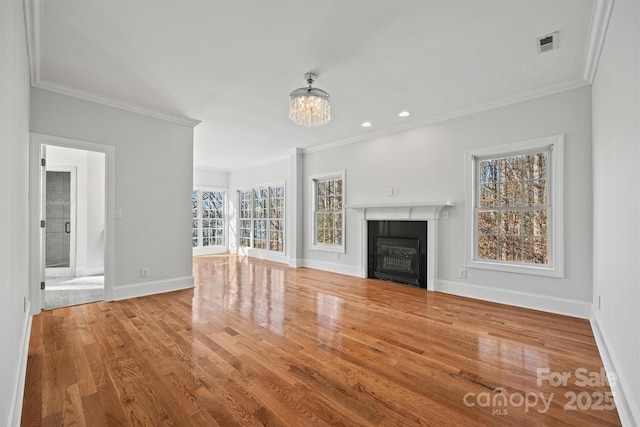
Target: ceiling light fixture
(309,106)
(404,113)
(366,124)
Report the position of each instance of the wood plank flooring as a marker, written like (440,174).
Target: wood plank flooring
(257,343)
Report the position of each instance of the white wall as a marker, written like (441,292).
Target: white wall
(427,164)
(90,204)
(616,189)
(212,178)
(153,185)
(14,214)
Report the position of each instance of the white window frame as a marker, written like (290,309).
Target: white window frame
(268,219)
(555,189)
(314,199)
(212,249)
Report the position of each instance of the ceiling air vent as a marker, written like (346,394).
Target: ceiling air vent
(547,43)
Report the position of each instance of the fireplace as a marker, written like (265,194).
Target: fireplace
(398,251)
(397,259)
(380,218)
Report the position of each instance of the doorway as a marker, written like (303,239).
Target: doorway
(74,233)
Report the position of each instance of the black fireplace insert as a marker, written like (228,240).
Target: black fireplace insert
(397,251)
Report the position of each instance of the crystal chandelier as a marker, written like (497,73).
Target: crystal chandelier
(309,106)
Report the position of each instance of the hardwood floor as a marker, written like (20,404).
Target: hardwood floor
(258,343)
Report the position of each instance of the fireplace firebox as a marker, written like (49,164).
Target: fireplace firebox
(398,251)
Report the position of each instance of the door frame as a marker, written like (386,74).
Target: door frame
(36,252)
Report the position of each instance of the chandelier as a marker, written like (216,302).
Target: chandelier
(308,106)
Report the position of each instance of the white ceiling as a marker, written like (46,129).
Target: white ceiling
(232,63)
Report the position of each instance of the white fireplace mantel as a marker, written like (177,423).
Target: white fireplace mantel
(421,211)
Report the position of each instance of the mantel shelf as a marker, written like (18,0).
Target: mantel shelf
(419,211)
(405,205)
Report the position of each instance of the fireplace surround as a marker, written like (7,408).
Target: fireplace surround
(429,212)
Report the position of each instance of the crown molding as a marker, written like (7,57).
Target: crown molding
(33,25)
(525,96)
(600,17)
(114,102)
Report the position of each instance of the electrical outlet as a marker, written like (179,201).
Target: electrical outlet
(337,256)
(462,273)
(144,272)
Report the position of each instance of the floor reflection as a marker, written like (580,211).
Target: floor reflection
(255,292)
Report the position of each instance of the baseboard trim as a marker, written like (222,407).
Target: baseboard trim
(349,270)
(149,288)
(15,407)
(209,250)
(625,411)
(545,303)
(264,255)
(296,263)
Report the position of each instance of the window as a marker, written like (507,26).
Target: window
(208,218)
(261,218)
(328,212)
(516,216)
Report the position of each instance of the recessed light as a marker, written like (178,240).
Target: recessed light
(404,113)
(366,125)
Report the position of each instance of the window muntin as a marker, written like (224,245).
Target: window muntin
(261,218)
(515,214)
(328,212)
(512,212)
(208,218)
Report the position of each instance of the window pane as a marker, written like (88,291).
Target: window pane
(488,222)
(489,195)
(511,194)
(488,172)
(487,247)
(535,166)
(328,215)
(510,222)
(511,248)
(194,213)
(507,228)
(535,223)
(535,193)
(535,250)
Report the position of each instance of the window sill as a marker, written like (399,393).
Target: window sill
(530,269)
